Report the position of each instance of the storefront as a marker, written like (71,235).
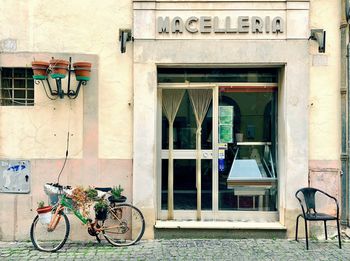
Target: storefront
(210,114)
(233,84)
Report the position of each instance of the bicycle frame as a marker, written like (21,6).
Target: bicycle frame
(64,202)
(67,202)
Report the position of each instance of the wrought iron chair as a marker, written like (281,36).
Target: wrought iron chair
(310,204)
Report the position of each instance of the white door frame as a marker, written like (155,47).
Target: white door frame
(214,214)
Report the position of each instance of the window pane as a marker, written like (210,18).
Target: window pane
(6,83)
(19,84)
(181,75)
(6,93)
(254,121)
(29,73)
(6,72)
(185,127)
(30,94)
(185,192)
(20,94)
(5,102)
(19,72)
(30,84)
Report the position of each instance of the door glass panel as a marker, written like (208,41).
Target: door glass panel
(247,165)
(185,128)
(185,193)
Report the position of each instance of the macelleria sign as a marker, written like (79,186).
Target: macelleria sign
(225,25)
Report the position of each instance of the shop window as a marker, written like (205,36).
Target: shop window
(17,87)
(218,143)
(182,75)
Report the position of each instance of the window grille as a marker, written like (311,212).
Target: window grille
(17,87)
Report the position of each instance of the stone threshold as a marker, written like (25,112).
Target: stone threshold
(161,224)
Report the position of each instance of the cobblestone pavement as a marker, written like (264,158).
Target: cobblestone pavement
(185,249)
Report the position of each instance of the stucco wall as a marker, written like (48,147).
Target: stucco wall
(99,120)
(87,27)
(324,105)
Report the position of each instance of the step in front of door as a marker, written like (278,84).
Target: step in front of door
(220,229)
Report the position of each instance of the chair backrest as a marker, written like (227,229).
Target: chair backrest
(309,198)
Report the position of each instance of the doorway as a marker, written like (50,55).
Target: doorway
(219,160)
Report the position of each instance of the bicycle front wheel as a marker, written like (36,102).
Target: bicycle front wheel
(124,225)
(48,240)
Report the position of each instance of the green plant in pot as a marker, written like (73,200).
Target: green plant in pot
(117,195)
(101,208)
(91,193)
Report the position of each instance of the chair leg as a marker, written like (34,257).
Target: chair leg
(339,239)
(306,236)
(296,228)
(325,228)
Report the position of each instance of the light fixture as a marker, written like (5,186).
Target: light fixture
(58,69)
(319,35)
(124,36)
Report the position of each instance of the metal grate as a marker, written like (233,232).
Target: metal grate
(17,87)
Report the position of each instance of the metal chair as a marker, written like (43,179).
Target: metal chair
(310,204)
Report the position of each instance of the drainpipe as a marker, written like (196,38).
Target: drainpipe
(345,122)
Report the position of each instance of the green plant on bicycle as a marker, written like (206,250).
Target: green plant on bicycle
(122,224)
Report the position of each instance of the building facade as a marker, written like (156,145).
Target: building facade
(213,117)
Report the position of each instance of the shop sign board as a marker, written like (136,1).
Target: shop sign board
(216,24)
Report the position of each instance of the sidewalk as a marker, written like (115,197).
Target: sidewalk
(185,249)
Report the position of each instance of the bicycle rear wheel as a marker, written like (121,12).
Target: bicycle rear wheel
(49,241)
(124,225)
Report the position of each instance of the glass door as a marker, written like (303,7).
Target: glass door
(186,153)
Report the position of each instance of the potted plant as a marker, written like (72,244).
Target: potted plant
(91,193)
(59,68)
(82,71)
(101,208)
(44,213)
(40,70)
(117,195)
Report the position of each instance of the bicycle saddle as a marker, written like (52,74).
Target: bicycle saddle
(105,189)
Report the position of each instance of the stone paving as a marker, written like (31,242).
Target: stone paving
(185,249)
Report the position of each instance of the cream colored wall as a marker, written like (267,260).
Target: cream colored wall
(80,26)
(99,120)
(324,105)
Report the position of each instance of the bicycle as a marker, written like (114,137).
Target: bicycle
(123,226)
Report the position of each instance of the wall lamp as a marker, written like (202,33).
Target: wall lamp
(58,70)
(124,36)
(319,35)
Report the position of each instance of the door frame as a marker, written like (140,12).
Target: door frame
(215,214)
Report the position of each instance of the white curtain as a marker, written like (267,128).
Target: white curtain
(171,103)
(200,100)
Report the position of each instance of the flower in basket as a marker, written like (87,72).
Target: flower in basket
(81,201)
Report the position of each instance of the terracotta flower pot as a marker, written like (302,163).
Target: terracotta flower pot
(59,68)
(44,214)
(40,70)
(44,210)
(82,71)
